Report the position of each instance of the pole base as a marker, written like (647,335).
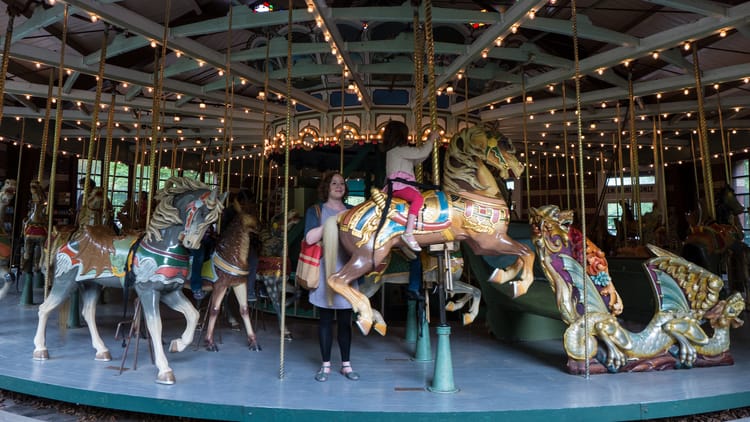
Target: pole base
(442,380)
(27,293)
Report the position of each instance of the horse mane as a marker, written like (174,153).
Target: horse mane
(166,215)
(462,165)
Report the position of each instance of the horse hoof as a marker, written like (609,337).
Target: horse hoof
(467,319)
(381,328)
(255,347)
(166,378)
(41,354)
(103,357)
(175,346)
(212,347)
(364,326)
(450,306)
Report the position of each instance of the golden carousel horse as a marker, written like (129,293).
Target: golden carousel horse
(469,209)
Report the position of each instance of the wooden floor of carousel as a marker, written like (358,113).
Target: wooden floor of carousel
(495,380)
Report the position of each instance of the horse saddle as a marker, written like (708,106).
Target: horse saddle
(33,230)
(365,218)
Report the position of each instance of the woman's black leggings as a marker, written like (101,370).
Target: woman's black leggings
(325,332)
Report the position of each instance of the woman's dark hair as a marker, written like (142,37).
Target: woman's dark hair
(395,134)
(325,185)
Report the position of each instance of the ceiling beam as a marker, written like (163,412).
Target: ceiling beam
(125,18)
(329,23)
(701,7)
(514,15)
(663,40)
(640,89)
(120,74)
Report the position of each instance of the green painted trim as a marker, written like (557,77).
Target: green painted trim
(634,411)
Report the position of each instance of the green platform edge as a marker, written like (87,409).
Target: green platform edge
(634,411)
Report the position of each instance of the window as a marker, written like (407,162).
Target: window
(117,189)
(614,209)
(741,185)
(356,191)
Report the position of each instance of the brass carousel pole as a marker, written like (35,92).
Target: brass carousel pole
(634,166)
(107,160)
(443,375)
(565,146)
(6,56)
(419,40)
(45,130)
(574,19)
(94,122)
(724,141)
(156,112)
(526,141)
(708,182)
(27,300)
(285,247)
(56,142)
(265,138)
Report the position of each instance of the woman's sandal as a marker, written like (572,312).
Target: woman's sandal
(350,374)
(323,372)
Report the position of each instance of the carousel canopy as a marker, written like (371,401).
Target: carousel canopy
(220,68)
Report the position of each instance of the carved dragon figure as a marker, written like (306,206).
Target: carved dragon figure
(687,297)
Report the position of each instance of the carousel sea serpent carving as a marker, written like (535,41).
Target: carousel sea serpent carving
(687,297)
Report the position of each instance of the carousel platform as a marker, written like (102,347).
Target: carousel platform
(523,381)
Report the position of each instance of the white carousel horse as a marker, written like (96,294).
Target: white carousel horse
(461,294)
(93,256)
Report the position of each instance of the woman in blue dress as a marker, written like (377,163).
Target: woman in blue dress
(332,191)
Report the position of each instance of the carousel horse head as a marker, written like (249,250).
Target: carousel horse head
(7,192)
(470,151)
(38,195)
(189,203)
(727,206)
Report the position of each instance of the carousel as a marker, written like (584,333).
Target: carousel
(584,224)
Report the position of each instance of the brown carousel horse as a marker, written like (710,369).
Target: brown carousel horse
(718,245)
(34,228)
(7,193)
(470,209)
(228,267)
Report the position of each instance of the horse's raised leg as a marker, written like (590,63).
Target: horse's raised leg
(150,303)
(240,292)
(90,298)
(217,296)
(525,262)
(360,304)
(176,300)
(61,289)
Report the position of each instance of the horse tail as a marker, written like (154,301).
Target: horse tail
(330,245)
